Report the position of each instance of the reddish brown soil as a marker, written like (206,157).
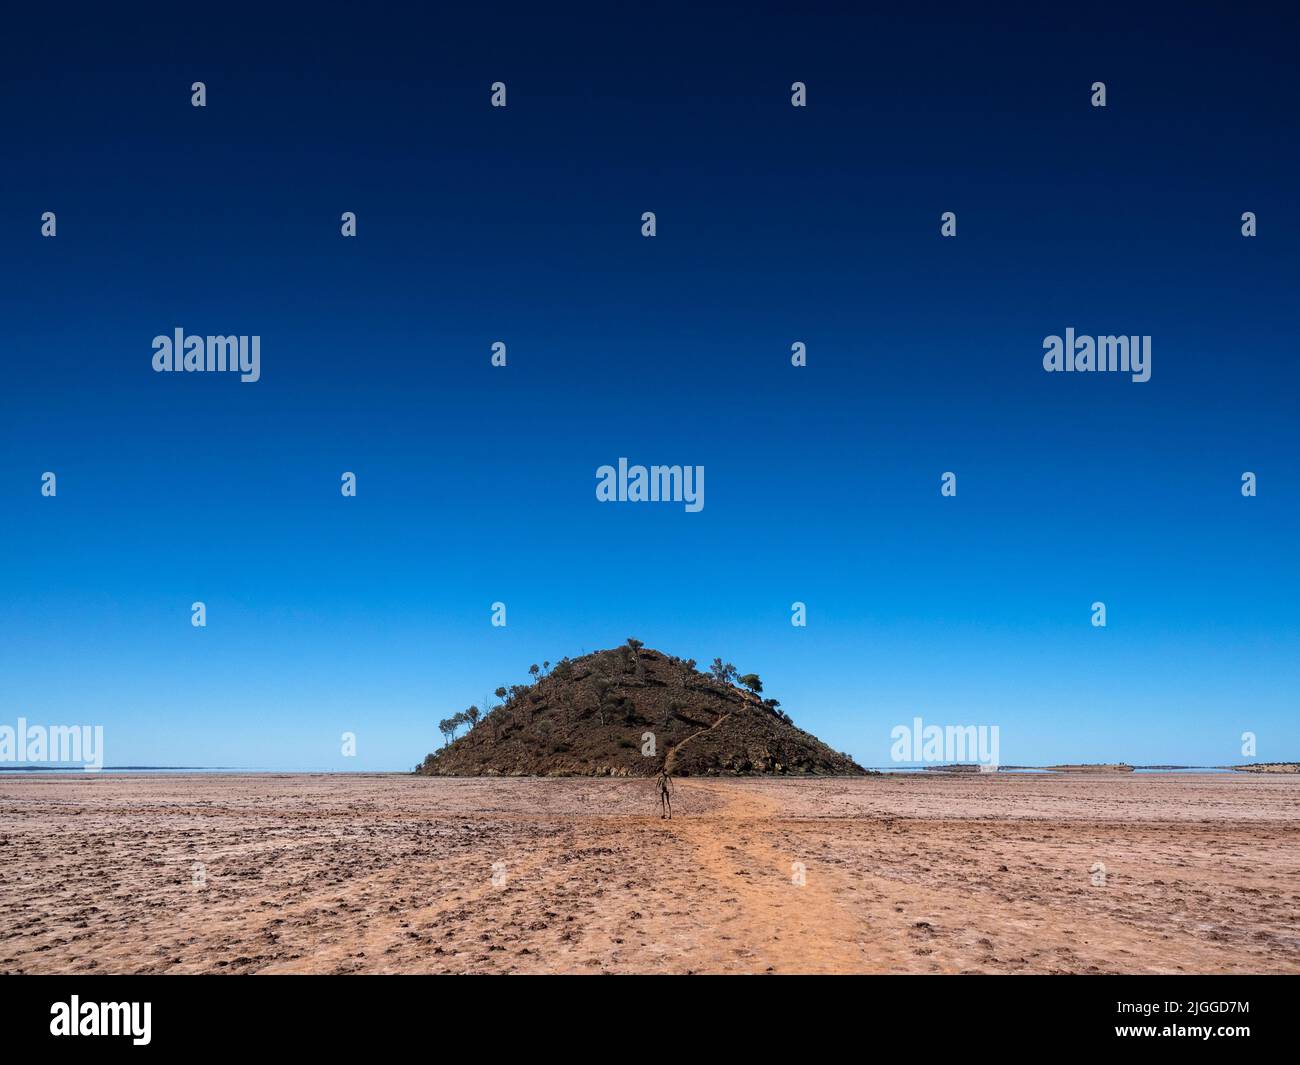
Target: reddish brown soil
(921,873)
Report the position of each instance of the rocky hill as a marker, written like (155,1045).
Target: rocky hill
(629,711)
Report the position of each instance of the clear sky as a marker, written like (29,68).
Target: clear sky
(775,225)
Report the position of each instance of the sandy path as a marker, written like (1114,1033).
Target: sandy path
(671,759)
(401,874)
(788,922)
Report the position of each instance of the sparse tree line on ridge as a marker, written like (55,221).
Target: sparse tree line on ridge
(722,673)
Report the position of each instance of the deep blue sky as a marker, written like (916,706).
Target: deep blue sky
(821,224)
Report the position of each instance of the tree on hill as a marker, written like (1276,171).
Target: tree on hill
(634,654)
(723,673)
(444,726)
(604,688)
(686,675)
(472,716)
(751,681)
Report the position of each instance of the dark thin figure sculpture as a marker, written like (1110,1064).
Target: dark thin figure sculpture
(665,794)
